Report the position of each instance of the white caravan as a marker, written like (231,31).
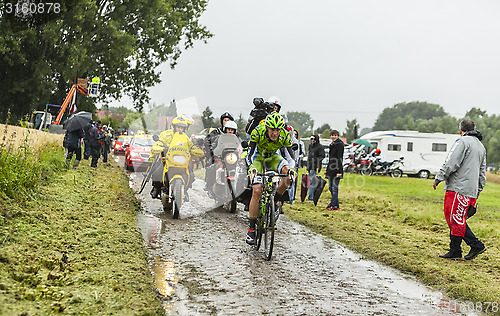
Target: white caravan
(424,153)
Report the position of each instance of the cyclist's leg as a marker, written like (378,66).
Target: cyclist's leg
(254,202)
(256,189)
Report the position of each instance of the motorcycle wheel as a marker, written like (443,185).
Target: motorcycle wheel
(177,188)
(366,171)
(165,201)
(232,206)
(396,173)
(350,169)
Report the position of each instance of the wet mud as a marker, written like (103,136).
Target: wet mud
(202,265)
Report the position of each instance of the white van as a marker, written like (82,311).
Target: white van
(424,153)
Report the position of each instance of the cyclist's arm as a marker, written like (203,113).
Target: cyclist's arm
(252,145)
(252,148)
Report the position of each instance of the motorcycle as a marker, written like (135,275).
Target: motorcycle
(377,166)
(356,162)
(230,176)
(176,175)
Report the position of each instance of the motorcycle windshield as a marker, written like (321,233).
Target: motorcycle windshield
(225,142)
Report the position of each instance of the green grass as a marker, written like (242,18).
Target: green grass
(400,222)
(74,247)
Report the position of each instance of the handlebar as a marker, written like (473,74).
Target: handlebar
(272,174)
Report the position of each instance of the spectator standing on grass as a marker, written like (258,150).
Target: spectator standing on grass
(96,140)
(87,150)
(106,143)
(464,173)
(314,158)
(334,171)
(74,146)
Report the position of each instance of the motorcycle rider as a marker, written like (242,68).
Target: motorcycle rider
(230,127)
(265,141)
(179,124)
(210,143)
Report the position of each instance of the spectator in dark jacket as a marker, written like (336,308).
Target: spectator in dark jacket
(74,145)
(314,158)
(334,170)
(87,151)
(96,140)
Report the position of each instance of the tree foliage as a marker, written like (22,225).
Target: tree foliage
(351,130)
(122,42)
(207,118)
(320,130)
(405,114)
(301,121)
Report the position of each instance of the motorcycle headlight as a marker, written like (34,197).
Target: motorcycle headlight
(179,159)
(231,158)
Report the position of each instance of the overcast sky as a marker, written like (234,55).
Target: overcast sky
(341,60)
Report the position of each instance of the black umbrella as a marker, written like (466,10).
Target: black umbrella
(320,185)
(304,186)
(77,121)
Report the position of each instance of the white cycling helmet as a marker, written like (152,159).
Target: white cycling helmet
(230,124)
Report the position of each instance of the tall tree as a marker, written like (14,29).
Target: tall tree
(402,114)
(301,121)
(207,118)
(322,128)
(351,130)
(122,42)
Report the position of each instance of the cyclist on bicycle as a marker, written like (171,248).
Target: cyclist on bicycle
(265,140)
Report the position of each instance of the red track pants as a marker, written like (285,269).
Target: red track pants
(455,211)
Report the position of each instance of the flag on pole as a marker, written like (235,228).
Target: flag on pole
(72,107)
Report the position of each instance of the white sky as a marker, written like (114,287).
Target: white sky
(340,60)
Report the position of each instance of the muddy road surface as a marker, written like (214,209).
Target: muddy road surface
(202,266)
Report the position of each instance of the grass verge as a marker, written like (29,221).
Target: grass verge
(75,248)
(400,222)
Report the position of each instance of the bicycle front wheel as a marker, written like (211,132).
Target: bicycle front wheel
(269,228)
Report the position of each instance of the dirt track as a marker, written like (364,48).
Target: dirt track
(202,265)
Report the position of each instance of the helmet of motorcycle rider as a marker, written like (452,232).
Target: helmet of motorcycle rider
(276,102)
(274,120)
(189,119)
(377,152)
(225,115)
(180,121)
(230,125)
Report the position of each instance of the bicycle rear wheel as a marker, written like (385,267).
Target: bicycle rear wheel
(269,228)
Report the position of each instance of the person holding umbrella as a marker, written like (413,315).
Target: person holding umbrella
(74,127)
(74,139)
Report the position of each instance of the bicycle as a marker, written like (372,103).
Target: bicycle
(266,221)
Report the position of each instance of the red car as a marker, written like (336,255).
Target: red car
(118,147)
(137,151)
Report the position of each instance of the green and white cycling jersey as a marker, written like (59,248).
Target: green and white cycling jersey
(262,148)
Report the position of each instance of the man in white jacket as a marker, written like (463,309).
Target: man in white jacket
(464,173)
